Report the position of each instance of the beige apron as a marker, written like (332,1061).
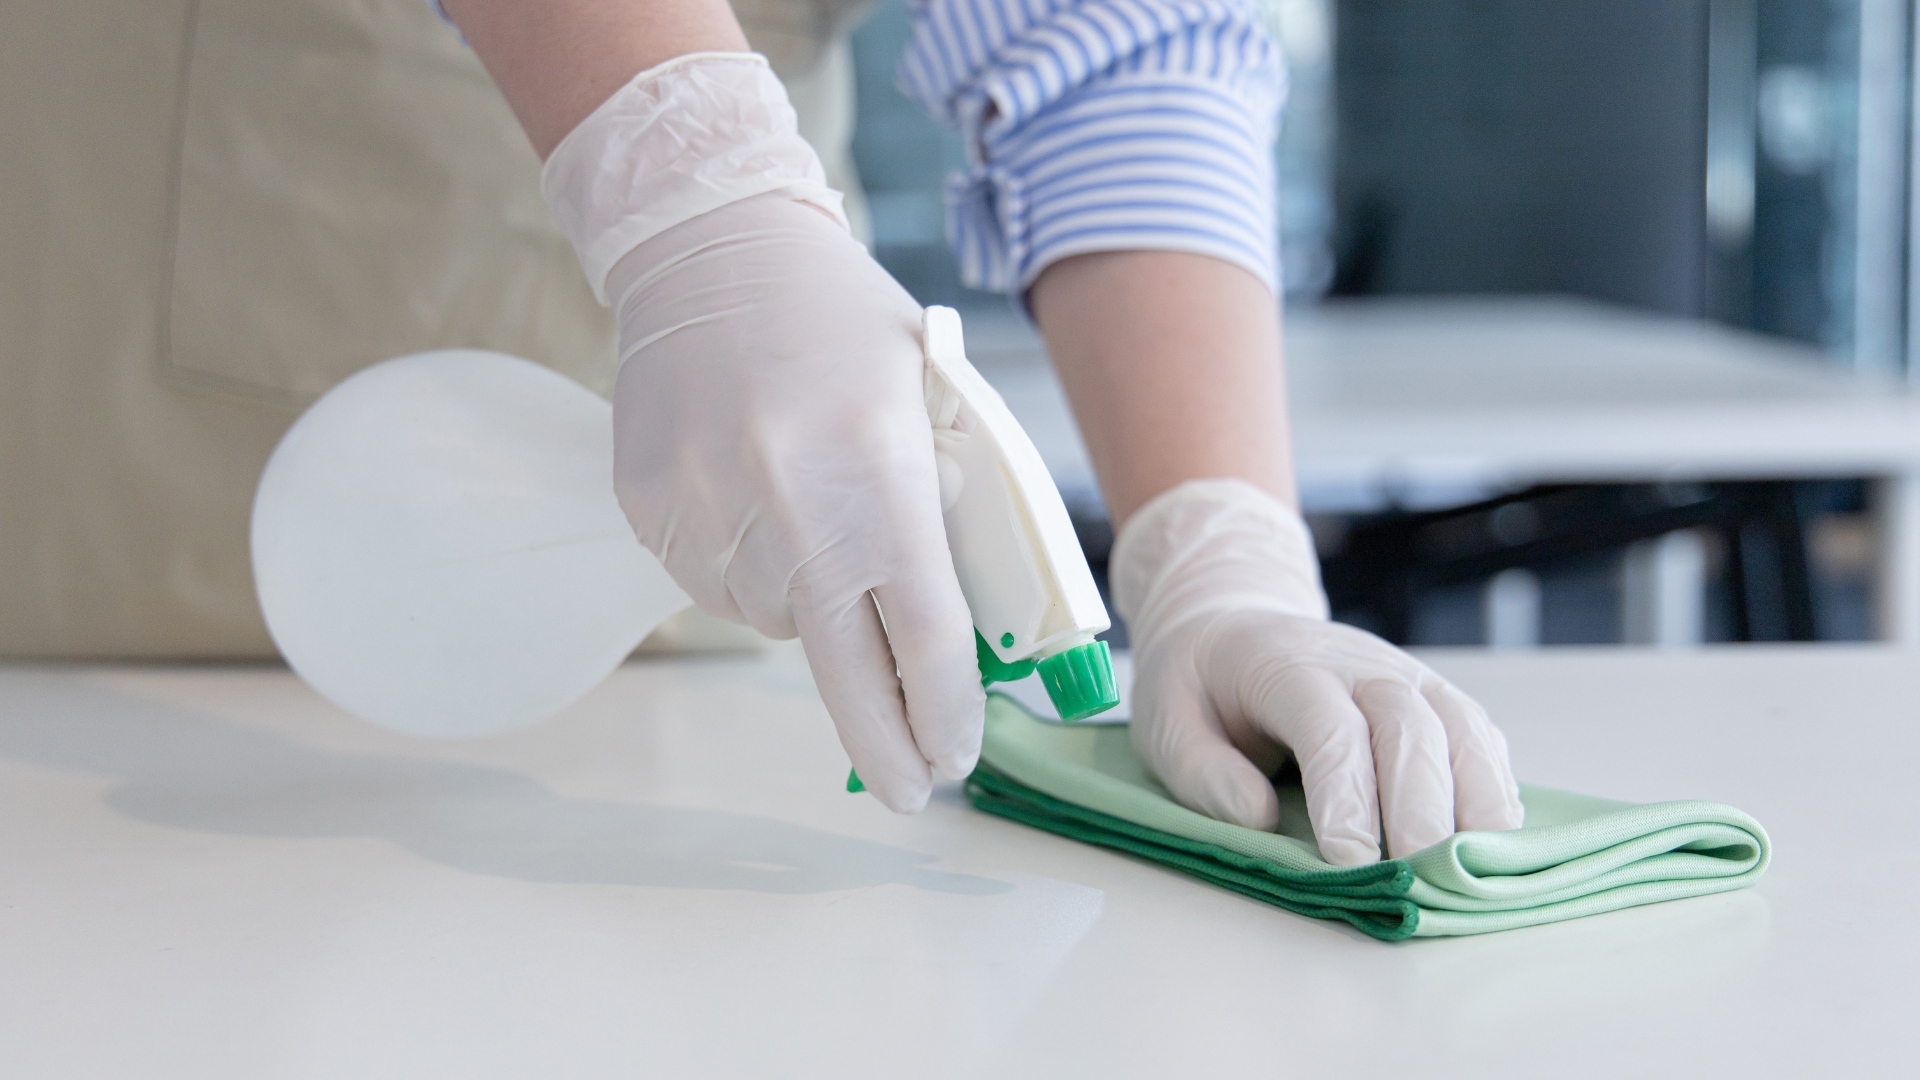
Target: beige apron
(210,213)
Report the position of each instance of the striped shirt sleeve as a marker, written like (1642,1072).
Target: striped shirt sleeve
(1101,125)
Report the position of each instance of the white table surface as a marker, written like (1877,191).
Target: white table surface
(211,873)
(1517,391)
(1419,397)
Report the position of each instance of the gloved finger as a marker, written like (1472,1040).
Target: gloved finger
(763,604)
(1486,796)
(1410,762)
(930,632)
(1313,714)
(673,543)
(714,600)
(1179,739)
(853,670)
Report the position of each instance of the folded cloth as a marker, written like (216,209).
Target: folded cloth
(1577,855)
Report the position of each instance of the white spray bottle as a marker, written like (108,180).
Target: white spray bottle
(1020,566)
(438,550)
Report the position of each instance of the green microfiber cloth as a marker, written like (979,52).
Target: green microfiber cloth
(1577,855)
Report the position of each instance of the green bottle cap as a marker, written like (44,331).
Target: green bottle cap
(1080,681)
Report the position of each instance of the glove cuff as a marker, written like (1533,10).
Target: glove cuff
(1212,545)
(681,139)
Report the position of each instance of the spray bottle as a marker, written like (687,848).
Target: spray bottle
(437,548)
(1026,580)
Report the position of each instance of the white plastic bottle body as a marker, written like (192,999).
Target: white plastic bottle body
(438,549)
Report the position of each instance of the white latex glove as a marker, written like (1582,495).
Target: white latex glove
(771,438)
(1236,664)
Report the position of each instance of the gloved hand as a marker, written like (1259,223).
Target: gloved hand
(1236,664)
(771,437)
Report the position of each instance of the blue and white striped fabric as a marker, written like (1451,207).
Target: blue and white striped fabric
(1102,125)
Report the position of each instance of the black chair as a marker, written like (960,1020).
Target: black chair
(1384,562)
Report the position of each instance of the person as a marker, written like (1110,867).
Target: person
(220,210)
(771,441)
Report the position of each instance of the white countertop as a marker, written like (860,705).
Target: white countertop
(1451,397)
(211,873)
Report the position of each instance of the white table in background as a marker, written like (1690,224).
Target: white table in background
(1453,399)
(209,873)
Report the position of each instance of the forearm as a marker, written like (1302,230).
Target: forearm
(1122,184)
(1173,363)
(556,61)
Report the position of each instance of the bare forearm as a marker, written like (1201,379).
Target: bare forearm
(1173,365)
(557,60)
